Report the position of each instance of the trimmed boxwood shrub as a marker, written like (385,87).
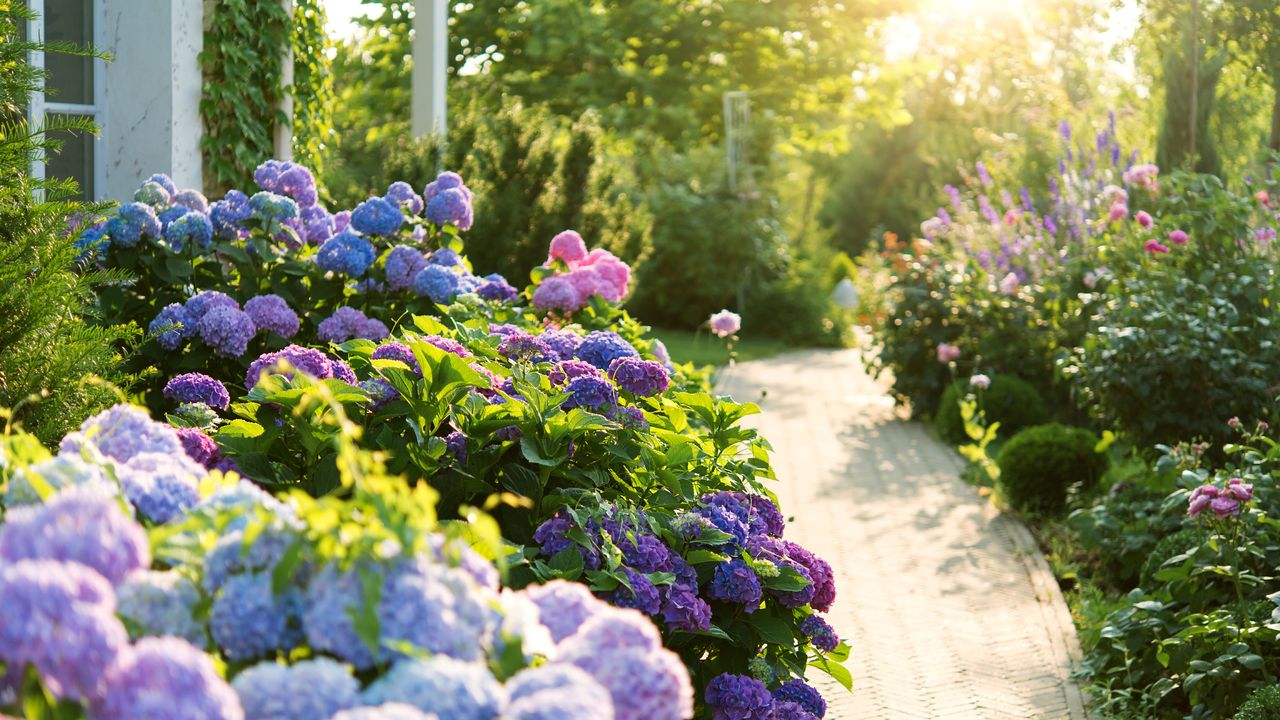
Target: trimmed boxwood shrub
(1039,465)
(1263,704)
(1012,401)
(1170,546)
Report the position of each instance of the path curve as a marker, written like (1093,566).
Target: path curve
(948,605)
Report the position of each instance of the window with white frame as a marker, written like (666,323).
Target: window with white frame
(74,87)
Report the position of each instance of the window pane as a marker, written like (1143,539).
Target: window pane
(74,161)
(70,77)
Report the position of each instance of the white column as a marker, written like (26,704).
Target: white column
(430,62)
(153,85)
(284,131)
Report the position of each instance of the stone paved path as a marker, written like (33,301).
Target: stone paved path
(950,609)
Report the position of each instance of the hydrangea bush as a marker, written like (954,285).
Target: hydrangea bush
(296,335)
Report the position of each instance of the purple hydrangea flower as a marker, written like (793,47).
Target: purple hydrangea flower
(229,213)
(121,432)
(248,620)
(227,330)
(567,370)
(453,347)
(317,224)
(737,697)
(146,682)
(201,303)
(402,265)
(456,446)
(161,603)
(630,416)
(684,610)
(524,347)
(346,254)
(496,289)
(557,691)
(592,393)
(444,181)
(402,195)
(310,361)
(641,377)
(385,711)
(267,175)
(163,181)
(820,633)
(192,200)
(564,342)
(272,314)
(557,293)
(436,282)
(270,206)
(298,183)
(642,595)
(171,326)
(451,207)
(437,608)
(347,323)
(161,486)
(79,524)
(735,582)
(398,351)
(197,387)
(788,710)
(601,348)
(191,227)
(59,617)
(623,652)
(564,607)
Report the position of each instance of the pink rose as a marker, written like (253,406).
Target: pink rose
(948,353)
(1240,490)
(1179,237)
(1154,247)
(1144,218)
(1225,506)
(1119,211)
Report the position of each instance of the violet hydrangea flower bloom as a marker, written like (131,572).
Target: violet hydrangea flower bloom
(737,697)
(227,330)
(398,351)
(402,194)
(121,432)
(601,348)
(452,347)
(645,378)
(308,360)
(273,314)
(565,343)
(346,254)
(497,289)
(802,694)
(558,293)
(451,206)
(725,323)
(376,216)
(440,685)
(81,524)
(229,213)
(735,582)
(160,604)
(197,387)
(820,633)
(144,684)
(591,393)
(526,348)
(161,486)
(402,265)
(298,183)
(436,282)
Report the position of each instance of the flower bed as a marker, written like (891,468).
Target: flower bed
(354,366)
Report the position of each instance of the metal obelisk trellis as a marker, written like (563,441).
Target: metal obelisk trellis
(737,133)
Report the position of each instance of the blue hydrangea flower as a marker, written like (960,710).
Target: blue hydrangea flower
(232,556)
(601,348)
(565,607)
(309,690)
(161,603)
(403,263)
(272,314)
(444,181)
(436,282)
(270,206)
(457,553)
(153,194)
(58,472)
(161,486)
(132,222)
(645,378)
(298,183)
(346,254)
(642,595)
(227,330)
(402,195)
(447,257)
(242,500)
(524,347)
(192,200)
(495,288)
(197,387)
(377,216)
(386,711)
(820,633)
(565,343)
(436,608)
(451,689)
(400,352)
(120,432)
(450,207)
(248,620)
(735,582)
(203,302)
(161,675)
(803,694)
(80,524)
(326,616)
(738,697)
(229,214)
(557,691)
(163,181)
(347,323)
(170,327)
(592,393)
(58,617)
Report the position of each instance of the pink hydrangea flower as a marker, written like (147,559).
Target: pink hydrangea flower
(1144,218)
(557,293)
(1141,175)
(948,353)
(1179,237)
(616,273)
(725,323)
(1154,247)
(588,281)
(568,247)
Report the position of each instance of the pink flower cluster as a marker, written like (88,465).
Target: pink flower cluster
(1142,176)
(598,272)
(948,353)
(725,323)
(1221,502)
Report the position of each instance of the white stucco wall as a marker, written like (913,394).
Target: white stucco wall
(152,118)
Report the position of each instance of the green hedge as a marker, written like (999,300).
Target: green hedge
(1039,465)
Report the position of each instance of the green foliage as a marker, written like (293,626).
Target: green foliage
(1175,354)
(1175,146)
(1121,529)
(54,367)
(245,46)
(1263,704)
(1012,402)
(840,268)
(1178,544)
(1041,464)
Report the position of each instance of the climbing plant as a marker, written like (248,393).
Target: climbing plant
(245,44)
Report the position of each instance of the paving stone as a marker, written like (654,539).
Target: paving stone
(949,607)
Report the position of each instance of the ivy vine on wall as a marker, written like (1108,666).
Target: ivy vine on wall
(246,43)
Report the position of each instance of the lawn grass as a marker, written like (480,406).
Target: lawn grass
(703,348)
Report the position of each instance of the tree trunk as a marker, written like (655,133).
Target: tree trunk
(1274,141)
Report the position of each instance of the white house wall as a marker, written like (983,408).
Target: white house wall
(152,119)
